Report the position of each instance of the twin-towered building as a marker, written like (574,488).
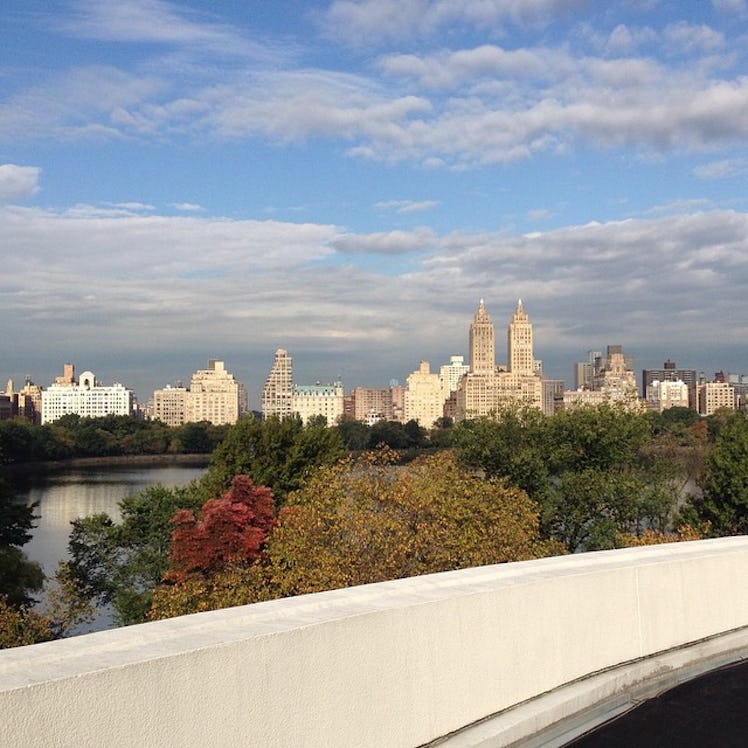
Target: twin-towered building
(458,391)
(487,387)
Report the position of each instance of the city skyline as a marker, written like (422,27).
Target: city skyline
(256,394)
(344,180)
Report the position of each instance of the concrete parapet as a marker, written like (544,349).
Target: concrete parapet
(398,663)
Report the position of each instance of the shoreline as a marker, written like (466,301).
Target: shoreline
(110,460)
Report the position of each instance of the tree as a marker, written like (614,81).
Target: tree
(198,438)
(362,522)
(230,529)
(604,437)
(355,434)
(20,625)
(121,563)
(724,500)
(512,445)
(19,576)
(389,433)
(276,453)
(64,609)
(368,520)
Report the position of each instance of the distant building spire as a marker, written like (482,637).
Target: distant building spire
(482,343)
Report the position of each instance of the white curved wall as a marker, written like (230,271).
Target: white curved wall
(392,664)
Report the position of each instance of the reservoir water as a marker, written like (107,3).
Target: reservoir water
(65,494)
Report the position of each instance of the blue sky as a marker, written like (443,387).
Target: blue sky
(184,180)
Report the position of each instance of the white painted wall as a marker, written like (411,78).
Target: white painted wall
(392,664)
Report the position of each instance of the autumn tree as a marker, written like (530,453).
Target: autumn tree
(362,522)
(229,529)
(370,520)
(21,625)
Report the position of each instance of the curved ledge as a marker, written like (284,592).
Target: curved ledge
(397,663)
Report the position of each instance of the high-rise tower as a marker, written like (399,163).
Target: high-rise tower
(277,395)
(519,343)
(487,388)
(482,343)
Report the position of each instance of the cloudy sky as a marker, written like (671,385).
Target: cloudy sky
(189,180)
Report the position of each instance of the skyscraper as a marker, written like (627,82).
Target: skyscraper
(485,389)
(277,394)
(519,343)
(482,343)
(424,397)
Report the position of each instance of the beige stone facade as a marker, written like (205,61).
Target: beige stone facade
(715,395)
(214,396)
(312,400)
(371,404)
(169,405)
(424,397)
(277,395)
(486,388)
(519,343)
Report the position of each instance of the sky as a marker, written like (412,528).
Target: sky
(185,181)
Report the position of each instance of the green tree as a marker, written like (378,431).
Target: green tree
(276,453)
(120,563)
(512,445)
(724,500)
(355,434)
(391,434)
(19,577)
(603,437)
(198,438)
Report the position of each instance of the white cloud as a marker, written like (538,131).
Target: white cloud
(538,214)
(18,182)
(385,243)
(449,108)
(187,207)
(722,169)
(449,69)
(361,21)
(293,106)
(154,21)
(730,6)
(217,285)
(134,206)
(686,37)
(407,206)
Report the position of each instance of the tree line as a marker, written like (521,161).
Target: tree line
(73,436)
(286,508)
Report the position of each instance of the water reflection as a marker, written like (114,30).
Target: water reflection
(65,495)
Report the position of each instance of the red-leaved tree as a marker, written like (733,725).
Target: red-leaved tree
(229,529)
